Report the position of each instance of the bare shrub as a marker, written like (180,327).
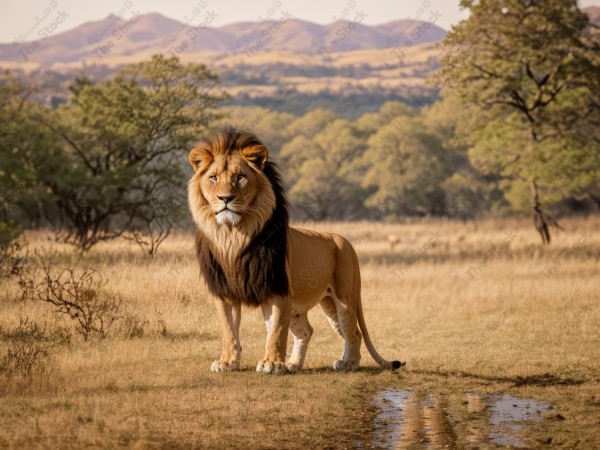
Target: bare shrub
(162,325)
(151,234)
(27,352)
(80,295)
(133,327)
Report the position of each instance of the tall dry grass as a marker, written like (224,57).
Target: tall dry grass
(476,306)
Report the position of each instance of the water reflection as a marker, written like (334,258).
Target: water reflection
(410,419)
(509,417)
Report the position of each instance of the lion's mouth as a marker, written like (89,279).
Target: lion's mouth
(227,215)
(226,209)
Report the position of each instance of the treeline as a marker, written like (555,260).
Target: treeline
(401,162)
(371,99)
(393,163)
(516,129)
(112,162)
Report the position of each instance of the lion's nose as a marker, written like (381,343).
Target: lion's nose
(226,198)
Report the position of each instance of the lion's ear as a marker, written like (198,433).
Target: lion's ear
(200,158)
(256,154)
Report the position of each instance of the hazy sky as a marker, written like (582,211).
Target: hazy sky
(25,18)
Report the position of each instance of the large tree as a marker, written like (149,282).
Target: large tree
(528,72)
(123,141)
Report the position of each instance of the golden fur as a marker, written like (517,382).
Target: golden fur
(249,255)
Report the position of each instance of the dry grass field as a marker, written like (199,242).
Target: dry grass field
(474,308)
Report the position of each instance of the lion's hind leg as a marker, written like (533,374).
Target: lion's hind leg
(342,319)
(328,307)
(346,298)
(302,332)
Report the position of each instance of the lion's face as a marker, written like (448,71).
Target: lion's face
(229,188)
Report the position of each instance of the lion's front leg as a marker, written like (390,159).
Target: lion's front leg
(276,313)
(229,318)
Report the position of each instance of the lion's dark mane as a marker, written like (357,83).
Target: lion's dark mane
(259,272)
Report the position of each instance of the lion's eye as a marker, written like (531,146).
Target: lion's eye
(213,178)
(241,177)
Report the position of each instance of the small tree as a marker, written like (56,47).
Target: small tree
(123,141)
(528,68)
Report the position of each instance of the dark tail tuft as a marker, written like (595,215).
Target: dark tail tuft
(397,364)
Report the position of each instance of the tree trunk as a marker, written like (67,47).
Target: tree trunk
(595,198)
(541,220)
(538,215)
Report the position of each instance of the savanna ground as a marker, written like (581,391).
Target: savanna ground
(476,307)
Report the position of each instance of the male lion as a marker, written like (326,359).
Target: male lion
(249,255)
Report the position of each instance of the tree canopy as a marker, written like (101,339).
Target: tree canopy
(529,73)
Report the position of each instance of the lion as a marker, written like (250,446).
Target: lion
(249,255)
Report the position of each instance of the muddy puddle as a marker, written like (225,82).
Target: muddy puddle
(415,420)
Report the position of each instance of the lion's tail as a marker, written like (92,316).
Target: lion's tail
(363,329)
(376,356)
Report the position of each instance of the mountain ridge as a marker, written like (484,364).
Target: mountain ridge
(155,33)
(141,35)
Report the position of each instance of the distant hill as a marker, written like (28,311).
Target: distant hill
(593,13)
(291,66)
(116,36)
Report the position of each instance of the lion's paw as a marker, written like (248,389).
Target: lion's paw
(225,366)
(293,368)
(271,367)
(346,364)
